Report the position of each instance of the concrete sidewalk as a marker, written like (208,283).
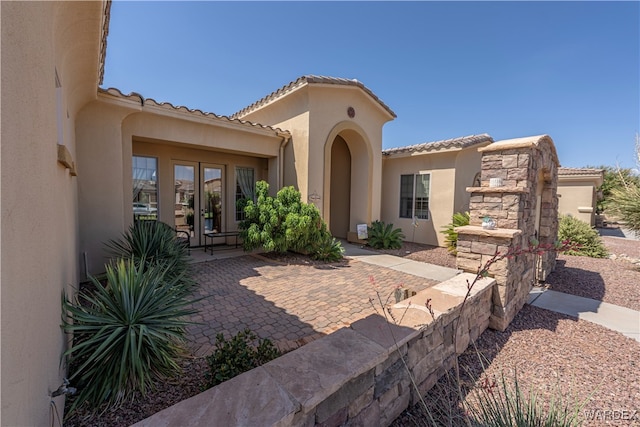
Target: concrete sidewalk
(404,265)
(620,319)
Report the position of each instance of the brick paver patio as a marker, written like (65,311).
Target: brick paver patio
(289,304)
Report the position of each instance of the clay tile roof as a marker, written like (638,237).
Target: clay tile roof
(579,171)
(168,106)
(461,142)
(307,80)
(106,17)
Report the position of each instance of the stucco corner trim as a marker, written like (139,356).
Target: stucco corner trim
(66,160)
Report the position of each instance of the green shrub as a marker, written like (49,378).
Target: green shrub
(328,249)
(282,223)
(586,239)
(384,236)
(153,243)
(126,333)
(451,237)
(625,205)
(241,353)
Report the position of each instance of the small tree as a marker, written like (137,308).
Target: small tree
(625,199)
(282,223)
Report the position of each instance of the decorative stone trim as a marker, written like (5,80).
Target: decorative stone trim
(498,190)
(499,233)
(65,159)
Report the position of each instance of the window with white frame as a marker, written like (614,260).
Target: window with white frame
(145,188)
(414,195)
(245,190)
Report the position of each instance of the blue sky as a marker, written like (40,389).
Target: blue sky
(509,69)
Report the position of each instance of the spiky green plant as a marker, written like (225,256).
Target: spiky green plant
(504,403)
(625,205)
(384,236)
(587,241)
(328,249)
(126,333)
(153,243)
(451,236)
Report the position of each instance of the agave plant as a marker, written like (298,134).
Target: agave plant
(151,243)
(125,334)
(384,236)
(327,248)
(451,236)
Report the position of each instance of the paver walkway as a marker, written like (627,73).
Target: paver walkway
(290,304)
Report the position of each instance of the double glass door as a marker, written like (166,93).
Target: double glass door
(199,199)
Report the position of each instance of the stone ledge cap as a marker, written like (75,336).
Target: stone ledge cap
(475,230)
(498,190)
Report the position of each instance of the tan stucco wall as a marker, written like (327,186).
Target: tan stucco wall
(39,211)
(576,196)
(468,164)
(107,130)
(315,115)
(447,192)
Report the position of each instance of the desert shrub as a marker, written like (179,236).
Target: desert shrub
(384,236)
(282,223)
(153,243)
(239,354)
(587,241)
(625,205)
(328,249)
(615,179)
(126,333)
(504,402)
(451,237)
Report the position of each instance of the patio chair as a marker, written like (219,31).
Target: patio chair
(184,238)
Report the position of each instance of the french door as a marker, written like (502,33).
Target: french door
(199,199)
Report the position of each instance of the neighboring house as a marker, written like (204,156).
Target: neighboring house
(94,158)
(423,185)
(578,192)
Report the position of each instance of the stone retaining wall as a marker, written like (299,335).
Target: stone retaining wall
(355,376)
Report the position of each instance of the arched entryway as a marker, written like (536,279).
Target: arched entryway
(340,208)
(348,180)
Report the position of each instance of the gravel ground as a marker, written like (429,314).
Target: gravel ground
(613,281)
(557,356)
(550,351)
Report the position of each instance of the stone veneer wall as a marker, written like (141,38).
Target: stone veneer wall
(528,168)
(354,376)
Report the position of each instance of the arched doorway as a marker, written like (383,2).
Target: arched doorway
(340,209)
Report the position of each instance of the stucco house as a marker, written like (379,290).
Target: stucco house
(578,192)
(424,184)
(94,158)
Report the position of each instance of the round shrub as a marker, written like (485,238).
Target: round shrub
(587,240)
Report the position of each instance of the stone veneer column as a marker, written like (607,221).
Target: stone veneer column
(528,169)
